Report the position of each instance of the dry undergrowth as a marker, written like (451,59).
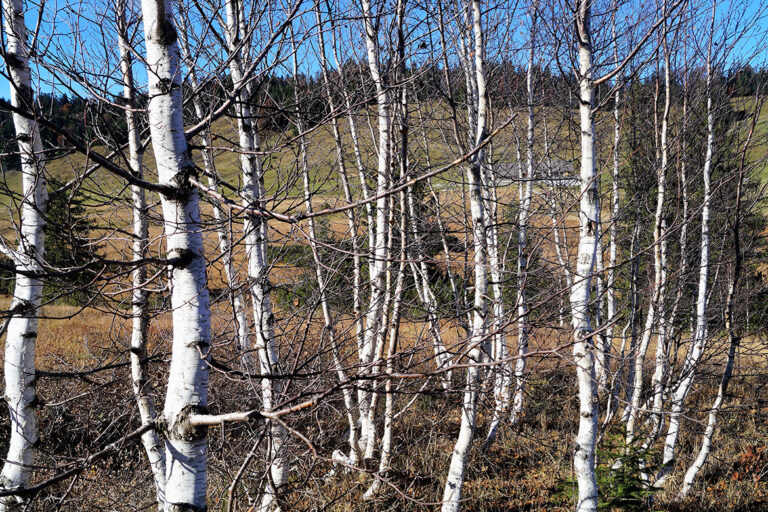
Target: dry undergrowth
(529,467)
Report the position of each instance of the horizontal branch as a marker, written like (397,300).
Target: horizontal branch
(213,420)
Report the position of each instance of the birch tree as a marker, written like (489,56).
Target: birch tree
(453,214)
(349,399)
(153,445)
(662,340)
(455,479)
(734,339)
(655,313)
(255,230)
(19,369)
(583,348)
(394,323)
(698,340)
(225,243)
(522,235)
(373,321)
(186,446)
(614,217)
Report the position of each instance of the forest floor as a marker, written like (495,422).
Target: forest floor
(528,468)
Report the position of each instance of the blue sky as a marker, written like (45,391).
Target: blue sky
(72,35)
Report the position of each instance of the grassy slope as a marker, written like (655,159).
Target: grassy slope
(523,471)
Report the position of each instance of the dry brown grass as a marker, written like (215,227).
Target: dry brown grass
(528,468)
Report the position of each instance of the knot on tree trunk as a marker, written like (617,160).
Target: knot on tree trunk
(165,32)
(184,507)
(14,61)
(23,137)
(582,334)
(261,280)
(180,258)
(20,307)
(180,182)
(166,85)
(181,429)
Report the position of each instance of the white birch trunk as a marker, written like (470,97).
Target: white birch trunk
(186,446)
(239,313)
(733,339)
(698,341)
(503,371)
(583,349)
(615,199)
(379,248)
(349,401)
(153,445)
(662,355)
(420,271)
(356,149)
(394,324)
(394,329)
(706,441)
(683,272)
(20,393)
(522,238)
(255,232)
(500,353)
(455,479)
(655,307)
(502,388)
(381,337)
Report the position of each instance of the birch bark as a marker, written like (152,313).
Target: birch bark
(394,324)
(379,248)
(522,235)
(615,200)
(361,171)
(455,479)
(222,232)
(349,401)
(662,339)
(255,230)
(351,219)
(20,343)
(153,445)
(186,448)
(698,341)
(733,338)
(583,349)
(655,316)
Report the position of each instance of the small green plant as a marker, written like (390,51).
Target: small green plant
(619,473)
(619,478)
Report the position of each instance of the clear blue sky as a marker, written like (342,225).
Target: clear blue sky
(73,35)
